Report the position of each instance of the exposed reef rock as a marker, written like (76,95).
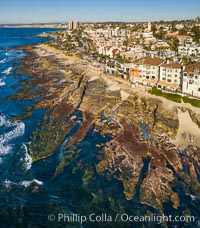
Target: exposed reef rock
(138,128)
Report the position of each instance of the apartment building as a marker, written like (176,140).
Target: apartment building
(73,25)
(149,70)
(189,50)
(170,77)
(191,80)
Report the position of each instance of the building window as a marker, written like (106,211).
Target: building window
(196,77)
(168,80)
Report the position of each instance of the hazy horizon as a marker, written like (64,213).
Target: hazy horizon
(21,11)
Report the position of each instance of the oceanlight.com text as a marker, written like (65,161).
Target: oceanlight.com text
(123,218)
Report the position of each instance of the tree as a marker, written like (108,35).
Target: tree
(185,59)
(125,42)
(153,29)
(174,29)
(183,31)
(161,33)
(196,33)
(174,45)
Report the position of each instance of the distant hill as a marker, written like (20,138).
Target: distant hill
(39,25)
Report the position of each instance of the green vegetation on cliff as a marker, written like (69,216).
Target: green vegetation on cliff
(193,102)
(175,97)
(169,96)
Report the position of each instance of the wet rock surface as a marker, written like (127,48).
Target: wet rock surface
(139,129)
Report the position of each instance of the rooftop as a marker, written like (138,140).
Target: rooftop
(193,68)
(149,61)
(172,65)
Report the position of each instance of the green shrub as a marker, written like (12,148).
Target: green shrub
(193,102)
(173,97)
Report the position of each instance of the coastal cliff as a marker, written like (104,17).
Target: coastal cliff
(145,144)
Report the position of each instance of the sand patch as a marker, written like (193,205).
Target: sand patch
(124,95)
(93,78)
(188,131)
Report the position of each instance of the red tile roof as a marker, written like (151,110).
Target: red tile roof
(114,51)
(172,65)
(193,68)
(149,61)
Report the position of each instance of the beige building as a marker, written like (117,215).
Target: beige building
(191,80)
(73,25)
(149,70)
(170,76)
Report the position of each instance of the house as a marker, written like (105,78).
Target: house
(170,76)
(111,67)
(135,77)
(183,39)
(191,80)
(149,70)
(188,50)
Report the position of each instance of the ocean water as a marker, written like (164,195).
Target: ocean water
(28,192)
(18,203)
(29,195)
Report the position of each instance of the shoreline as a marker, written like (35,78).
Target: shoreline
(69,61)
(139,126)
(119,83)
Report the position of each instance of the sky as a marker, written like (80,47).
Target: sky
(34,11)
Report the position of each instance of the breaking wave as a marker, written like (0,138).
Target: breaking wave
(3,60)
(7,71)
(25,183)
(27,160)
(28,183)
(18,129)
(2,83)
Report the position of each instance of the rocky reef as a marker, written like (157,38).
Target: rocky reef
(137,150)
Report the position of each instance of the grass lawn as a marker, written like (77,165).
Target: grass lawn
(193,102)
(175,97)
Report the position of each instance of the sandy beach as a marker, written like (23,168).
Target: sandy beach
(188,132)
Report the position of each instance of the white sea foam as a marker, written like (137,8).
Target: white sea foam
(63,147)
(28,183)
(5,149)
(7,71)
(2,83)
(7,183)
(27,158)
(2,121)
(18,129)
(3,60)
(15,133)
